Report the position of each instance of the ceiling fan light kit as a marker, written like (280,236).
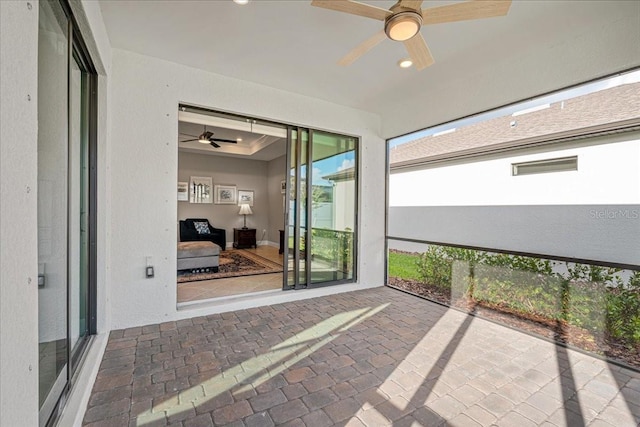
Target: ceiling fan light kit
(206,137)
(402,26)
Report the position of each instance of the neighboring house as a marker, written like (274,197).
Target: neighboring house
(344,198)
(474,164)
(558,177)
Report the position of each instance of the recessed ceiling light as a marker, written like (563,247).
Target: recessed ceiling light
(241,2)
(238,139)
(405,63)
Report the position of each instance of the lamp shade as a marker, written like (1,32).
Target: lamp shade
(245,209)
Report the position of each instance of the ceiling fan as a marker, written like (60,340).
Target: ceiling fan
(403,21)
(206,137)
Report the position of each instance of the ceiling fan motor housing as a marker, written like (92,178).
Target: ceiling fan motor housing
(403,24)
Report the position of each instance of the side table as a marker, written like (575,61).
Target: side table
(244,238)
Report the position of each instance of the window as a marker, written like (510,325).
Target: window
(545,166)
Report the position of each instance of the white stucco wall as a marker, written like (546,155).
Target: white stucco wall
(18,219)
(608,173)
(18,200)
(592,213)
(144,105)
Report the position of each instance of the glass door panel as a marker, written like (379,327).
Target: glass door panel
(53,54)
(291,266)
(333,199)
(303,183)
(297,209)
(78,208)
(321,210)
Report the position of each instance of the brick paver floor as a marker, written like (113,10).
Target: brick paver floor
(372,357)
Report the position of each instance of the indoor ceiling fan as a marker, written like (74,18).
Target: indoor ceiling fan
(403,21)
(206,137)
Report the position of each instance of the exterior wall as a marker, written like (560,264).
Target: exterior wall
(608,172)
(144,105)
(18,214)
(343,204)
(18,200)
(591,214)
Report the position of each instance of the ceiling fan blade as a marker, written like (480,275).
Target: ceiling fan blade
(189,140)
(362,48)
(411,4)
(465,11)
(186,134)
(230,141)
(419,52)
(213,144)
(354,8)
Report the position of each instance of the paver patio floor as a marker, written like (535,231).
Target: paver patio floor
(372,357)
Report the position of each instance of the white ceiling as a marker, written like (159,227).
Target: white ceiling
(293,46)
(253,145)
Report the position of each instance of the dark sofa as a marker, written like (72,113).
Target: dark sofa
(189,233)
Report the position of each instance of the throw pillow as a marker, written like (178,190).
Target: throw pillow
(201,227)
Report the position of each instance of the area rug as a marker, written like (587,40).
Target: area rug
(234,263)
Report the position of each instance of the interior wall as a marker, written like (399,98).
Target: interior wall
(144,105)
(18,214)
(276,170)
(245,174)
(586,52)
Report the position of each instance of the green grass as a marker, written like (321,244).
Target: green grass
(403,266)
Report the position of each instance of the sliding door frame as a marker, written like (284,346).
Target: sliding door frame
(309,210)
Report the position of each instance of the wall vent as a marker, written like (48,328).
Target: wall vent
(563,164)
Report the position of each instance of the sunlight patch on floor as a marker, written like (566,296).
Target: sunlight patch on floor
(260,368)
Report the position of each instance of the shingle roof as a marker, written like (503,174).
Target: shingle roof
(603,107)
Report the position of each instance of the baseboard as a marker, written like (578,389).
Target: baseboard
(268,243)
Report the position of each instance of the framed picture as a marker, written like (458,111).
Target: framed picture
(225,194)
(283,187)
(245,197)
(200,189)
(183,191)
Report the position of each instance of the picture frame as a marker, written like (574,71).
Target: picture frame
(183,191)
(245,197)
(225,194)
(200,189)
(283,186)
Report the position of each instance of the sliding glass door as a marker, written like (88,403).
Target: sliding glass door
(321,209)
(53,231)
(66,204)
